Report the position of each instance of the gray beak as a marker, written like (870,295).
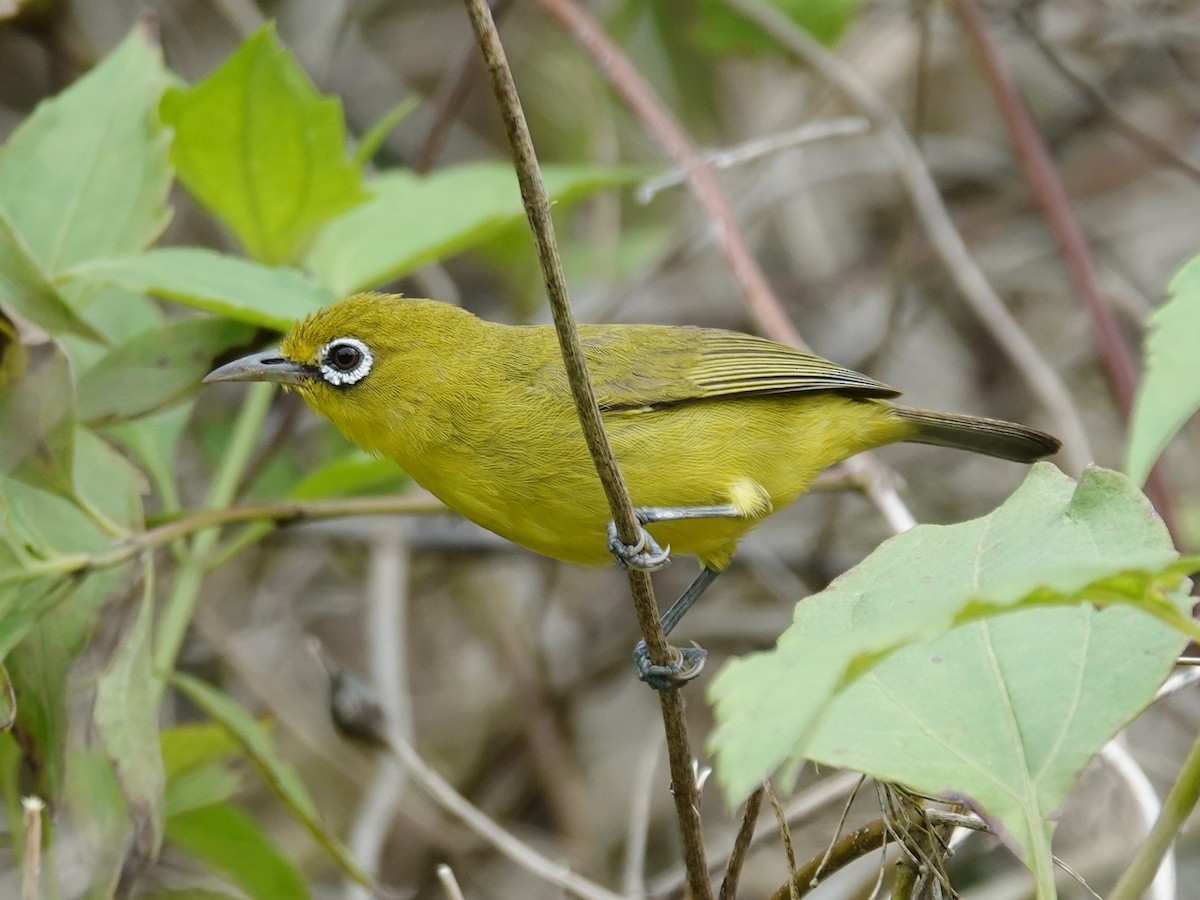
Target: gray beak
(265,366)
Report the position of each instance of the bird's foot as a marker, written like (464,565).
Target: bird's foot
(645,555)
(685,664)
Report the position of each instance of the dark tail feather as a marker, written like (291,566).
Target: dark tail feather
(991,437)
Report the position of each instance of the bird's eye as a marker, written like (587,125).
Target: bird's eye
(345,358)
(344,361)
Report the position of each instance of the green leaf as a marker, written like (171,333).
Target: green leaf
(126,719)
(412,220)
(8,700)
(156,367)
(107,483)
(41,641)
(1170,390)
(720,30)
(86,175)
(1002,714)
(200,787)
(226,285)
(1051,542)
(196,745)
(374,138)
(152,441)
(348,475)
(261,149)
(37,423)
(281,777)
(26,290)
(232,843)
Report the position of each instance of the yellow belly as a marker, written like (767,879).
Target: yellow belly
(536,484)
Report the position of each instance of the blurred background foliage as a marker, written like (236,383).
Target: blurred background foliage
(510,672)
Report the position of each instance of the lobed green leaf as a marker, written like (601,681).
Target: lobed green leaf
(155,368)
(412,220)
(1051,543)
(272,297)
(1169,394)
(232,843)
(86,175)
(263,150)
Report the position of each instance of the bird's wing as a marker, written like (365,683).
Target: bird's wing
(689,364)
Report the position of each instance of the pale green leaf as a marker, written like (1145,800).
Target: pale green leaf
(1052,542)
(1002,714)
(273,297)
(232,843)
(87,174)
(152,441)
(353,473)
(155,368)
(262,150)
(25,289)
(126,719)
(1170,390)
(377,133)
(412,220)
(200,787)
(37,423)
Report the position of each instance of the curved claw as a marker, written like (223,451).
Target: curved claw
(645,555)
(686,663)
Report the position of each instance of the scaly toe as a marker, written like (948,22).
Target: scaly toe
(645,555)
(686,663)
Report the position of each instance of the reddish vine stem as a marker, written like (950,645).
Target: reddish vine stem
(1051,197)
(640,98)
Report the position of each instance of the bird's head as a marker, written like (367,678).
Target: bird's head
(352,361)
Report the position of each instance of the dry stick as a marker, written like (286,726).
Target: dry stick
(1042,379)
(537,208)
(741,844)
(800,809)
(855,845)
(32,865)
(785,835)
(1051,196)
(873,479)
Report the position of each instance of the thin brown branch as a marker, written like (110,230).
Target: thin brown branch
(741,845)
(930,209)
(855,845)
(1115,357)
(785,837)
(537,207)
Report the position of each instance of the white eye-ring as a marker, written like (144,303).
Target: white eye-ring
(344,361)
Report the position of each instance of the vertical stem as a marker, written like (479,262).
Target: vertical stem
(177,610)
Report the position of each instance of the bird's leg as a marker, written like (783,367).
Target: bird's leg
(686,663)
(646,555)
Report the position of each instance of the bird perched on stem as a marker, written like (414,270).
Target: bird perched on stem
(713,430)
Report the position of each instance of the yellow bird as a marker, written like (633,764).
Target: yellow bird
(713,429)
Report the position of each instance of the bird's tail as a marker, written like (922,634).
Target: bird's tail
(992,437)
